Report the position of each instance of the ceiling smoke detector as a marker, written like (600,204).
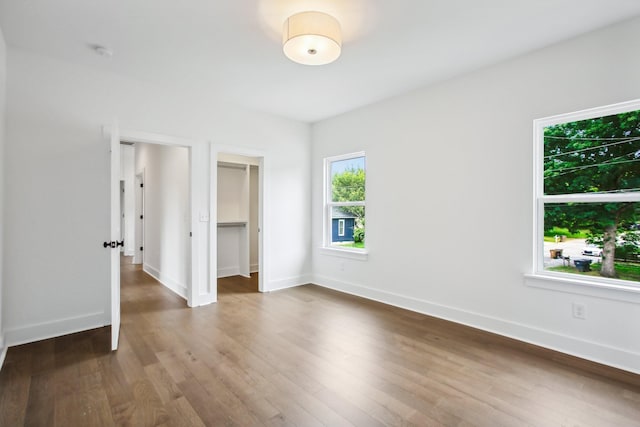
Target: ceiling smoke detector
(103,51)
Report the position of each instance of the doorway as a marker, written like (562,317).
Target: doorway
(161,217)
(197,289)
(239,257)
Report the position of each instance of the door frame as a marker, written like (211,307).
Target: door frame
(122,213)
(263,235)
(198,285)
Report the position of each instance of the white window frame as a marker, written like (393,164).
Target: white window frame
(327,248)
(340,227)
(559,280)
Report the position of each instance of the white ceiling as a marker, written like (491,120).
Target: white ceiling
(231,49)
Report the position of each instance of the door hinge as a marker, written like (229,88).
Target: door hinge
(190,234)
(141,248)
(141,216)
(141,185)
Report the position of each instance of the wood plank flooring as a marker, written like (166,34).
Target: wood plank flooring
(300,357)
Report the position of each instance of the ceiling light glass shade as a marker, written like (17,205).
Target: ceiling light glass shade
(312,38)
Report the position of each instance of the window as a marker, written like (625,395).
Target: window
(344,205)
(588,195)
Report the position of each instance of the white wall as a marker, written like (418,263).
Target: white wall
(230,250)
(167,251)
(3,98)
(127,174)
(233,200)
(57,199)
(449,196)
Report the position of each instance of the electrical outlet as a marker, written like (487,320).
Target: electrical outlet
(579,310)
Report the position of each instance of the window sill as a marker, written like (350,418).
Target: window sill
(345,253)
(604,289)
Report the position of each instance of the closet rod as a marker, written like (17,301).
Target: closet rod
(232,165)
(232,224)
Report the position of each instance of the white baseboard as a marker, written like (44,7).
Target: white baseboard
(254,268)
(54,328)
(228,271)
(3,355)
(205,300)
(129,253)
(169,283)
(290,282)
(3,351)
(596,352)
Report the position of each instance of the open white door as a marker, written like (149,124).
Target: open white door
(114,244)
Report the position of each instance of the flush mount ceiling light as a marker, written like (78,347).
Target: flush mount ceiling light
(312,38)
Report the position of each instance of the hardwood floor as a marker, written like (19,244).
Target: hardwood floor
(305,356)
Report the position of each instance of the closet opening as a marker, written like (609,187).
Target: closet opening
(238,223)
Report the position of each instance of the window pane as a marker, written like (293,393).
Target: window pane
(594,239)
(347,226)
(348,180)
(600,155)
